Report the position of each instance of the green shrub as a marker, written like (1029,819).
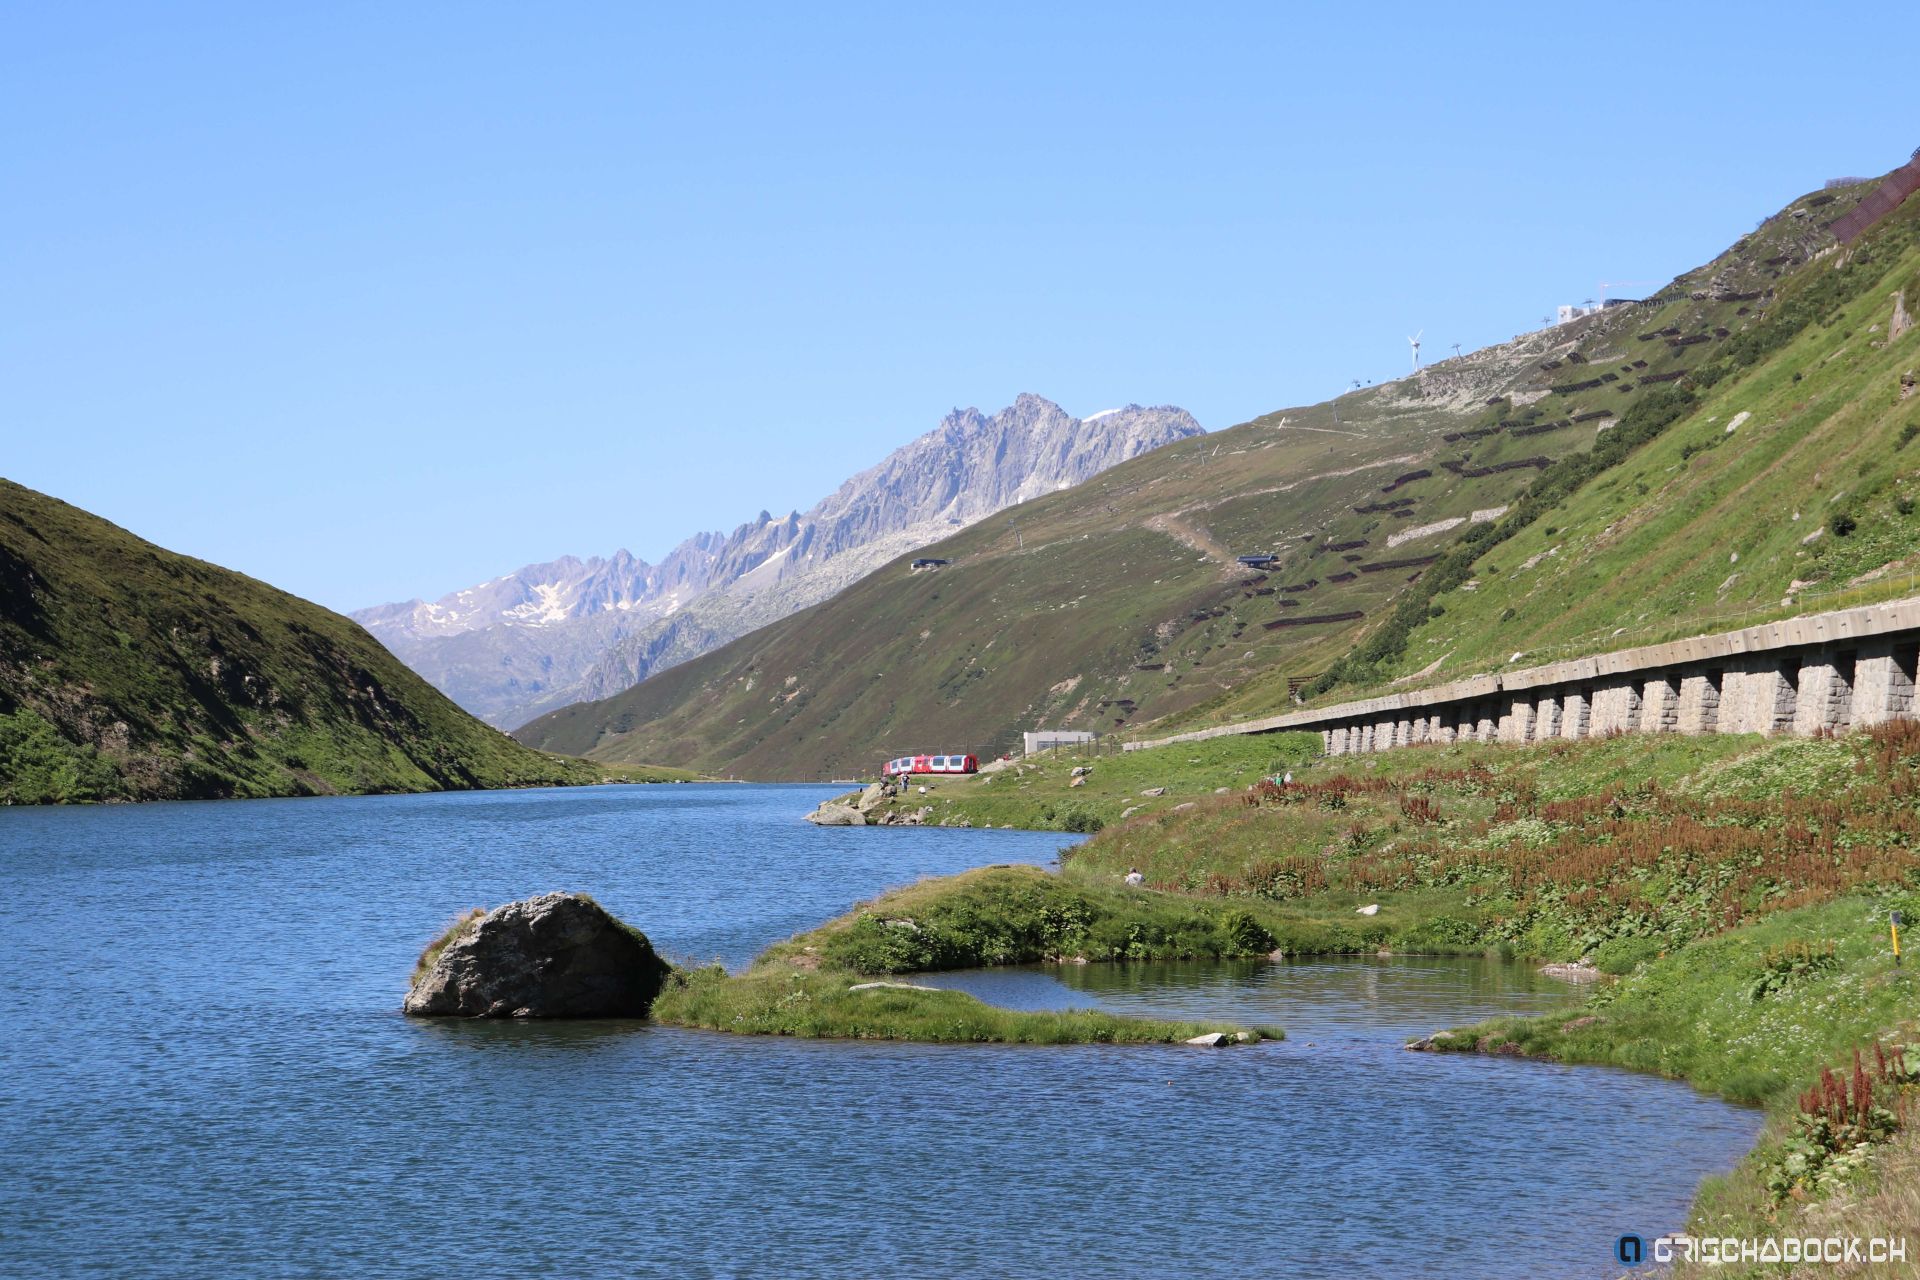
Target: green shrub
(39,766)
(1624,955)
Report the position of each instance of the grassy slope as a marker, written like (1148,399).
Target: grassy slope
(127,671)
(1703,529)
(1114,606)
(1037,793)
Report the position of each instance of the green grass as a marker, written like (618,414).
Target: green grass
(1038,792)
(1022,915)
(1557,849)
(1694,1014)
(611,772)
(1705,530)
(780,1001)
(129,673)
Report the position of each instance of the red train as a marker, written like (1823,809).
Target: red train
(953,763)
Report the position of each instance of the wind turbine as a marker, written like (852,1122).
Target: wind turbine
(1414,342)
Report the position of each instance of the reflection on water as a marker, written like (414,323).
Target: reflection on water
(1385,999)
(203,1072)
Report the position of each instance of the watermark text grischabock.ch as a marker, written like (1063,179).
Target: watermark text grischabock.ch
(1721,1251)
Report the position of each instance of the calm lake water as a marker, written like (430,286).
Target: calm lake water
(203,1072)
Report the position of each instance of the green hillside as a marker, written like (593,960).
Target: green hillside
(129,672)
(1118,603)
(1786,483)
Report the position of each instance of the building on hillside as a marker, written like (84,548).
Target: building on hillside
(1048,739)
(1568,313)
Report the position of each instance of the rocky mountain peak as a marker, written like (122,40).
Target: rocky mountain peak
(605,623)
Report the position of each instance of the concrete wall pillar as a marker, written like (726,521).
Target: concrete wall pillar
(1780,697)
(1699,702)
(1546,717)
(1616,708)
(1739,702)
(1824,693)
(1576,714)
(1660,704)
(1403,731)
(1485,724)
(1883,683)
(1516,720)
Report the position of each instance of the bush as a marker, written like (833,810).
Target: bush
(1841,523)
(39,766)
(1081,821)
(1624,955)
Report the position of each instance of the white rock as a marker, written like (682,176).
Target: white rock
(1371,909)
(1738,418)
(1154,791)
(1212,1040)
(889,986)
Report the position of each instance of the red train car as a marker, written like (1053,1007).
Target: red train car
(953,762)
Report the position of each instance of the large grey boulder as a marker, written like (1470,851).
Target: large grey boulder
(559,955)
(837,813)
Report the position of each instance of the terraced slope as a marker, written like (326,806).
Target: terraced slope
(129,672)
(1119,601)
(1786,483)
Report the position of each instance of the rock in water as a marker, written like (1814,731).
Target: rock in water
(836,813)
(559,955)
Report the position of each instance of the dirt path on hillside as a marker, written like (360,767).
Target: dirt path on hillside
(1190,535)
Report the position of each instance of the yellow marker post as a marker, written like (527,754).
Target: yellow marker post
(1895,926)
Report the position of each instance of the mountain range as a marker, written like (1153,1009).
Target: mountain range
(1734,443)
(550,634)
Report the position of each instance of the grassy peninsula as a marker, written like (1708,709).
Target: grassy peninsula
(1735,893)
(783,1000)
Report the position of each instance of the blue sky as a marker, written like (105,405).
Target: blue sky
(378,301)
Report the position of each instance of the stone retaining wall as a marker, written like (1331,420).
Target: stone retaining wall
(1820,672)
